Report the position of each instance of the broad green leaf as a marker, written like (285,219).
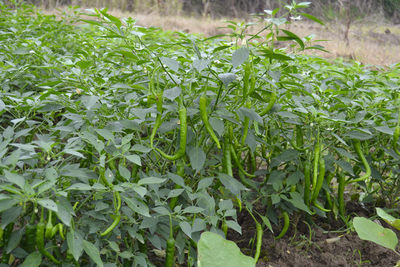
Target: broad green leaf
(93,252)
(234,226)
(186,228)
(80,187)
(311,17)
(240,56)
(197,158)
(171,63)
(371,231)
(33,260)
(298,202)
(227,78)
(6,204)
(231,184)
(192,209)
(215,251)
(137,206)
(15,179)
(151,180)
(141,148)
(48,204)
(294,37)
(14,240)
(392,221)
(200,64)
(75,244)
(172,93)
(134,159)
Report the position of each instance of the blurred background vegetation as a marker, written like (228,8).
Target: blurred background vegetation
(327,10)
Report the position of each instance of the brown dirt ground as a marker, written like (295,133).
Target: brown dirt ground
(325,248)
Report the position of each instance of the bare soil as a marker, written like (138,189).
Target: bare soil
(322,247)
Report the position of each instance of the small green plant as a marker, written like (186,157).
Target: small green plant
(216,251)
(374,232)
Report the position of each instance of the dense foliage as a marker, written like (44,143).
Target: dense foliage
(120,143)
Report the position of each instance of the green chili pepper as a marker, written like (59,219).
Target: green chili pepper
(170,250)
(158,120)
(396,136)
(299,136)
(1,237)
(40,232)
(271,103)
(307,182)
(259,241)
(49,227)
(183,134)
(30,235)
(237,162)
(246,123)
(286,223)
(224,228)
(117,201)
(317,152)
(357,147)
(204,118)
(320,180)
(112,226)
(227,162)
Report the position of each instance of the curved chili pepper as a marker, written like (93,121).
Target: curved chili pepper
(357,147)
(286,223)
(112,226)
(183,134)
(259,241)
(204,118)
(40,232)
(271,103)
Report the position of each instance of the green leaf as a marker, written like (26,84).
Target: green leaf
(80,187)
(92,252)
(227,78)
(14,240)
(186,228)
(172,93)
(33,260)
(231,184)
(171,63)
(75,244)
(311,17)
(151,180)
(197,158)
(368,230)
(392,221)
(137,206)
(298,202)
(15,179)
(294,37)
(240,56)
(48,204)
(234,226)
(6,204)
(199,64)
(134,159)
(215,251)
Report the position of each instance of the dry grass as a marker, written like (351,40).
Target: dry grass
(368,44)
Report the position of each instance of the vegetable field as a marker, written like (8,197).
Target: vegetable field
(122,145)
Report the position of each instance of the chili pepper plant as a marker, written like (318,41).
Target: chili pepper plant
(120,144)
